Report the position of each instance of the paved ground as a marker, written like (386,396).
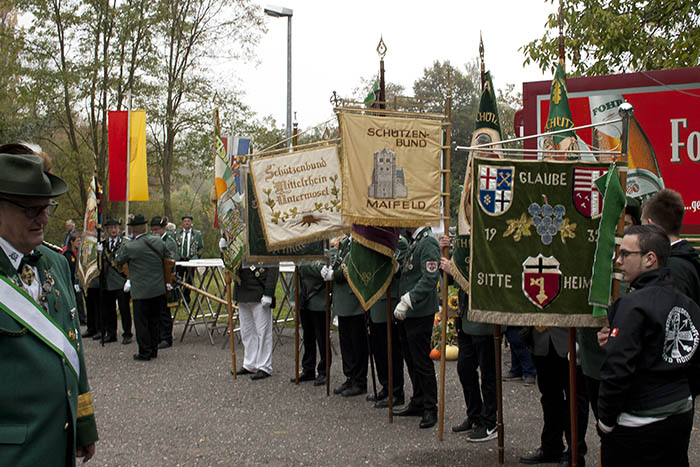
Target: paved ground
(186,409)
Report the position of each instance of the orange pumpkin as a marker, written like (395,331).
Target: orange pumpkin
(435,354)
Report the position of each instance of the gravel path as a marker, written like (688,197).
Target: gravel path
(186,409)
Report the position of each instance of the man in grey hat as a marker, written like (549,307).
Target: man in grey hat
(46,411)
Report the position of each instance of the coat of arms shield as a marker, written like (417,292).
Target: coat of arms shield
(587,198)
(541,279)
(495,189)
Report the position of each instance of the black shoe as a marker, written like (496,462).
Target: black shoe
(141,358)
(482,433)
(429,418)
(97,336)
(353,391)
(89,334)
(303,376)
(467,425)
(513,378)
(165,345)
(409,411)
(342,387)
(259,375)
(109,339)
(566,460)
(381,395)
(243,371)
(539,457)
(384,403)
(320,380)
(126,340)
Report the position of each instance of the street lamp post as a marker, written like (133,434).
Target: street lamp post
(280,12)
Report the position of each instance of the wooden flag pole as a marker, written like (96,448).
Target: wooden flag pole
(229,308)
(445,187)
(390,354)
(328,334)
(296,324)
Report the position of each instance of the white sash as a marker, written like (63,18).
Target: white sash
(27,312)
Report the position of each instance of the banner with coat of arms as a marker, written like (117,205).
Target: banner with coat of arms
(391,170)
(300,195)
(534,232)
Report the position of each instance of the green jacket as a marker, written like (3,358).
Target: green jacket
(193,242)
(378,310)
(45,409)
(312,287)
(145,265)
(345,303)
(170,244)
(113,277)
(420,273)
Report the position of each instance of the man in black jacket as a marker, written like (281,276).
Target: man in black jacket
(652,370)
(666,210)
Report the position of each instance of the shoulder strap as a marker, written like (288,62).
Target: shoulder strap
(153,248)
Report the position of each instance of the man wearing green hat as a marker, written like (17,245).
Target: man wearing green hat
(189,246)
(158,224)
(113,284)
(144,255)
(46,414)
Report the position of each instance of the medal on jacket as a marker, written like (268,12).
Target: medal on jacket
(27,275)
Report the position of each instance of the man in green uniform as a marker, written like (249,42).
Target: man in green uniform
(352,331)
(416,311)
(144,255)
(113,285)
(165,331)
(378,337)
(189,246)
(46,414)
(312,314)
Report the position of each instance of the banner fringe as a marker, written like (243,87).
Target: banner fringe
(537,319)
(384,222)
(366,305)
(459,277)
(372,245)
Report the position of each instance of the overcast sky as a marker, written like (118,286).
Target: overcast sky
(334,45)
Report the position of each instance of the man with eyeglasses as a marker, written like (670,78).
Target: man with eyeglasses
(46,414)
(651,372)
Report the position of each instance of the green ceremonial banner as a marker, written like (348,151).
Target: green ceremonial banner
(257,252)
(534,231)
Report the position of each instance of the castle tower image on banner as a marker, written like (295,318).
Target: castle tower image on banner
(387,180)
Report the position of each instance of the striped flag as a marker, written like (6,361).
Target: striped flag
(127,139)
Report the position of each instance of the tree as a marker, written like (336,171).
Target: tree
(620,36)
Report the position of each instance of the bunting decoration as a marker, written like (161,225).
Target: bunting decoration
(299,196)
(613,206)
(559,118)
(487,130)
(126,134)
(534,228)
(87,265)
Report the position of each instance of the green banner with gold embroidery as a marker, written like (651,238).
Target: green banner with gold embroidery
(534,232)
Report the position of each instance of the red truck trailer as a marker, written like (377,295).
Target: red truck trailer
(664,139)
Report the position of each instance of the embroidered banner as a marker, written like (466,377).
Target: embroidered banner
(300,195)
(255,248)
(230,209)
(534,232)
(391,170)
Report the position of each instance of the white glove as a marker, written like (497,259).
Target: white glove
(168,286)
(327,273)
(403,306)
(127,286)
(222,244)
(76,287)
(99,248)
(266,300)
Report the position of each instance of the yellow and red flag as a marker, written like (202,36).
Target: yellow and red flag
(127,142)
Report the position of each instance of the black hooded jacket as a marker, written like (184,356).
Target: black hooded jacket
(651,355)
(684,264)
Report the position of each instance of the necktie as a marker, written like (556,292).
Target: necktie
(25,270)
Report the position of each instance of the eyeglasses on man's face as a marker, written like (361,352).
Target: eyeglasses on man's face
(625,253)
(35,211)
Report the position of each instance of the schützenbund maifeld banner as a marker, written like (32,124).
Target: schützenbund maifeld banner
(391,170)
(300,196)
(534,230)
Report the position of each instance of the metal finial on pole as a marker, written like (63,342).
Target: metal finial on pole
(481,57)
(562,55)
(381,50)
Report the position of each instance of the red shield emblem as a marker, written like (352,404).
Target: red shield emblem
(541,279)
(587,198)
